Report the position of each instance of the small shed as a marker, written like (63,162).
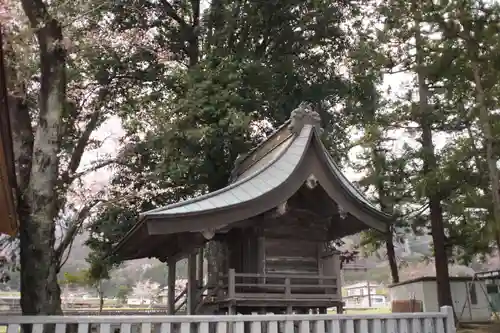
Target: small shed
(470,300)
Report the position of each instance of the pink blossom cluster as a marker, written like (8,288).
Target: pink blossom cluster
(5,13)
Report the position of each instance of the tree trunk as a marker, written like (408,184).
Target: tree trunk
(194,42)
(429,166)
(489,141)
(40,292)
(380,170)
(101,296)
(391,255)
(379,163)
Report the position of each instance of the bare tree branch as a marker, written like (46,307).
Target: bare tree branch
(80,146)
(73,230)
(170,11)
(77,224)
(95,167)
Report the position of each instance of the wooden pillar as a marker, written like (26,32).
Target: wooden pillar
(212,271)
(288,294)
(337,271)
(261,258)
(320,254)
(340,308)
(231,281)
(201,259)
(225,262)
(369,294)
(171,287)
(214,262)
(331,269)
(191,292)
(261,255)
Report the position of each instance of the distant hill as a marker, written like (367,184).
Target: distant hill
(409,256)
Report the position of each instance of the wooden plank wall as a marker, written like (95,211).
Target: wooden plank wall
(291,256)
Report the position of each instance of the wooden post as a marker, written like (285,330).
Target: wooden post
(337,272)
(340,308)
(212,270)
(231,310)
(261,259)
(201,275)
(369,294)
(231,280)
(191,292)
(288,288)
(288,295)
(171,287)
(320,254)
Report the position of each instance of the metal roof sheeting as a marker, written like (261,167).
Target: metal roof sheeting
(264,176)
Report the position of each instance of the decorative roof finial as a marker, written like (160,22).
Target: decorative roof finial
(304,115)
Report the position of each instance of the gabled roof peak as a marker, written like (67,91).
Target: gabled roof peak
(304,115)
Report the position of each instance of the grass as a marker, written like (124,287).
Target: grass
(476,328)
(10,293)
(369,311)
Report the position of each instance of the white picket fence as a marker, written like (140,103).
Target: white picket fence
(426,322)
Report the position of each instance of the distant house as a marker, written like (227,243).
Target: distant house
(139,301)
(469,296)
(365,295)
(180,286)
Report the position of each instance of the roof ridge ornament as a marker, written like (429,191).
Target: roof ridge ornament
(304,115)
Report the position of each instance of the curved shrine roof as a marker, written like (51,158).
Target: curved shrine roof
(267,176)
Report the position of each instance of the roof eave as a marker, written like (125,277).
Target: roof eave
(375,218)
(116,249)
(269,197)
(354,196)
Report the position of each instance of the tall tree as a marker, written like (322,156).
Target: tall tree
(403,27)
(256,62)
(40,293)
(430,167)
(371,118)
(58,96)
(469,29)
